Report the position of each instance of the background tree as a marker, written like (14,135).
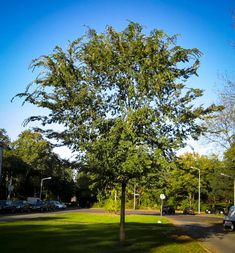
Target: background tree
(185,180)
(122,101)
(13,169)
(229,169)
(221,125)
(86,192)
(4,138)
(34,151)
(40,160)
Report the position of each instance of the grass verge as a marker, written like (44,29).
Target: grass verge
(94,233)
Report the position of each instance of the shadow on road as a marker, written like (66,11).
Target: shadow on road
(200,227)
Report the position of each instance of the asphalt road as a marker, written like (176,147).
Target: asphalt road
(206,229)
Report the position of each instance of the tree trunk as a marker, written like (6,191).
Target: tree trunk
(122,214)
(190,199)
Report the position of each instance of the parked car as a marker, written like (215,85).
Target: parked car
(168,210)
(189,210)
(7,206)
(57,204)
(33,200)
(39,206)
(217,209)
(49,206)
(229,219)
(21,206)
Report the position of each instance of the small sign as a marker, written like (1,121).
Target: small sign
(162,196)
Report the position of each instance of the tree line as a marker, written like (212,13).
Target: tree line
(30,158)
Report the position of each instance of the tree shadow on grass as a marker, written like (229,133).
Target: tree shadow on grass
(95,238)
(46,218)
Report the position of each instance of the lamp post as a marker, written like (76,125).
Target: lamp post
(135,195)
(199,182)
(225,175)
(199,190)
(45,178)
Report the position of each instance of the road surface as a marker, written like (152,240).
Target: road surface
(207,230)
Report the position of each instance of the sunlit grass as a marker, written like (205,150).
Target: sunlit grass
(95,233)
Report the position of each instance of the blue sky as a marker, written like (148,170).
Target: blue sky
(29,29)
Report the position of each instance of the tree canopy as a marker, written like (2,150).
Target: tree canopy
(122,100)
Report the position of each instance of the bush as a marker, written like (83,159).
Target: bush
(112,206)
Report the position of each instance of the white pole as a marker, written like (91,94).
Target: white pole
(41,189)
(199,182)
(134,198)
(199,192)
(45,178)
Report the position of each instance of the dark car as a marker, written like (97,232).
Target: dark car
(21,206)
(7,206)
(189,210)
(168,210)
(39,206)
(49,206)
(217,209)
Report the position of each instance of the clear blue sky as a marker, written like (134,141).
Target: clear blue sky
(32,28)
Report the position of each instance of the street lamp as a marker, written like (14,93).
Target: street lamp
(45,178)
(225,175)
(135,195)
(199,181)
(199,189)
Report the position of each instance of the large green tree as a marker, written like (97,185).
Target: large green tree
(122,100)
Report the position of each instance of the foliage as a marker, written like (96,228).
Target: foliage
(112,205)
(229,169)
(185,180)
(122,100)
(27,161)
(85,193)
(4,138)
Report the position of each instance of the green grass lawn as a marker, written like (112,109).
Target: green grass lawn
(93,233)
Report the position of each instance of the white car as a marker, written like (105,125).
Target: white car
(229,219)
(58,204)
